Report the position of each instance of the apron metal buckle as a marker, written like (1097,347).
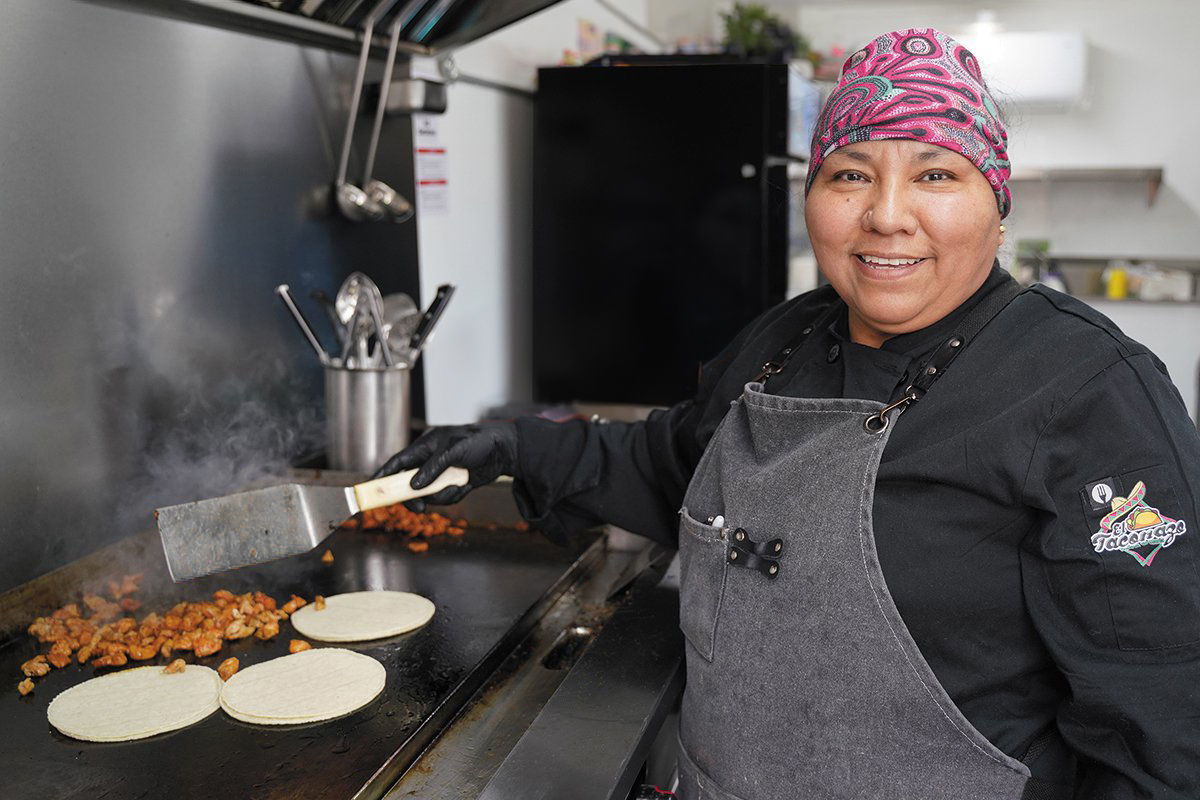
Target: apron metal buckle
(878,422)
(768,369)
(764,557)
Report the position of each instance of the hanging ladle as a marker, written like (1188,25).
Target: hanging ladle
(352,201)
(395,204)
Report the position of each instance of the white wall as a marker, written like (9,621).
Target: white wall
(481,354)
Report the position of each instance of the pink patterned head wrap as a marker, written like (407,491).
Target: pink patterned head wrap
(916,84)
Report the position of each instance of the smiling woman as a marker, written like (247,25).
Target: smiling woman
(904,232)
(903,501)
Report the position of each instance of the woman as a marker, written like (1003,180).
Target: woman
(1017,469)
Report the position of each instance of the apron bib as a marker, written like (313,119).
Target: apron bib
(802,679)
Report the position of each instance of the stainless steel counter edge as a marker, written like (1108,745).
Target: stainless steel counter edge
(592,737)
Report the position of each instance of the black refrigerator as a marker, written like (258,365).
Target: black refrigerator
(661,208)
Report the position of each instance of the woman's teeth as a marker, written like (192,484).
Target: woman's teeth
(884,263)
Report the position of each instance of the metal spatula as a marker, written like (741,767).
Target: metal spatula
(214,535)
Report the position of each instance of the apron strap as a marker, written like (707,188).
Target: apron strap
(780,360)
(988,308)
(984,312)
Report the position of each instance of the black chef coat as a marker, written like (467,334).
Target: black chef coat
(1073,660)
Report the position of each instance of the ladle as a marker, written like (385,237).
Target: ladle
(353,202)
(395,204)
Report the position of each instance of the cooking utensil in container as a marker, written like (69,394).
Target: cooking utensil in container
(375,307)
(285,294)
(331,314)
(360,304)
(350,311)
(222,533)
(400,318)
(429,319)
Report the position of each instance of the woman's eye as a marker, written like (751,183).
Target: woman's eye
(848,175)
(937,175)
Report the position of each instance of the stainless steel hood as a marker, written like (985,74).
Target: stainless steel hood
(428,27)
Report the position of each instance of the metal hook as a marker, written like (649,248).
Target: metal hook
(878,422)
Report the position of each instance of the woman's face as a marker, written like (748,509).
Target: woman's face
(874,203)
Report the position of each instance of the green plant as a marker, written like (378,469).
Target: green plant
(753,31)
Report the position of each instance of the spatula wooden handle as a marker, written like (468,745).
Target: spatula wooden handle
(397,488)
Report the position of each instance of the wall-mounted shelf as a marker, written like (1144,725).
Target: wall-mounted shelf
(1152,176)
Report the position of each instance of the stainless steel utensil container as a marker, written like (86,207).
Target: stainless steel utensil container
(367,415)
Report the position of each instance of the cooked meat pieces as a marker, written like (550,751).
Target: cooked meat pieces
(108,639)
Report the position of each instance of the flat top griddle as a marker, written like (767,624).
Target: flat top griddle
(489,586)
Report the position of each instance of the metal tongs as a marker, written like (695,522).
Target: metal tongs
(375,201)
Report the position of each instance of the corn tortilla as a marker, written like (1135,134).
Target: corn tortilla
(135,703)
(308,686)
(361,616)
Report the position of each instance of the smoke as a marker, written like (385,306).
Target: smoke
(205,438)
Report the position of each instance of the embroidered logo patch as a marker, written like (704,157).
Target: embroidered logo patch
(1136,529)
(1100,494)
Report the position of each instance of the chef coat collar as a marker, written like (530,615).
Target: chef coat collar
(918,342)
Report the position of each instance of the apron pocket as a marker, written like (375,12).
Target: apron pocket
(702,569)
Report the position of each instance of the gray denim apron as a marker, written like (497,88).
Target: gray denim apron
(802,679)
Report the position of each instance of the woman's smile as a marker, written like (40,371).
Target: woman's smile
(887,268)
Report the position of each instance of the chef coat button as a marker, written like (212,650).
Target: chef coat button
(834,352)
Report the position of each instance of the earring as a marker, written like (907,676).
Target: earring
(1002,228)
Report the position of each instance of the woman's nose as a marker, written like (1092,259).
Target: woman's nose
(889,211)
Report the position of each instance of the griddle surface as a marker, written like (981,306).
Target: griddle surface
(482,583)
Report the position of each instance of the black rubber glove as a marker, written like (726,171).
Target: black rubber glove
(487,451)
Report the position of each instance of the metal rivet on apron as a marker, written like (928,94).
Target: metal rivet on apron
(778,547)
(807,330)
(956,342)
(833,353)
(733,555)
(876,423)
(930,370)
(739,534)
(774,568)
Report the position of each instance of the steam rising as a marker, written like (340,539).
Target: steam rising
(206,440)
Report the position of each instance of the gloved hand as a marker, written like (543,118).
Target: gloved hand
(486,450)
